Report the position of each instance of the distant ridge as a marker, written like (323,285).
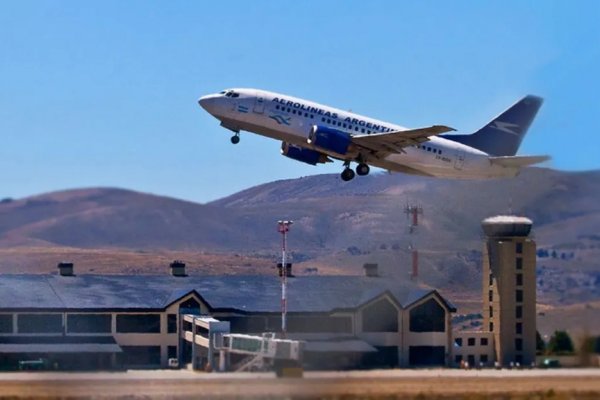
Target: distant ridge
(337,224)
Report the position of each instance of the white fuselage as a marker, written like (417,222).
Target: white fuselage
(290,119)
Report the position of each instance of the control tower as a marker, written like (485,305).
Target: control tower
(509,285)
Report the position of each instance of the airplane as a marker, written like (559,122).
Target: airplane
(314,134)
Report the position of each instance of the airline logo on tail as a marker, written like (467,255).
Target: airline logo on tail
(505,127)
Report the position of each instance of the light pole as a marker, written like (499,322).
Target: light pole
(283,227)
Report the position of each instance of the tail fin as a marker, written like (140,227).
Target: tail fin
(503,135)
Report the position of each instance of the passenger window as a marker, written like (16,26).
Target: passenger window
(311,116)
(323,119)
(356,129)
(344,125)
(289,109)
(306,115)
(369,132)
(293,111)
(362,130)
(277,107)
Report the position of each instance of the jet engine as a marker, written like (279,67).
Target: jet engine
(308,156)
(329,139)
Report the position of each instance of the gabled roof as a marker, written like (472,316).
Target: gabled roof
(243,293)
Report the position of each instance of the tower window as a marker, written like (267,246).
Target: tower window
(519,248)
(519,264)
(519,328)
(519,279)
(519,312)
(519,296)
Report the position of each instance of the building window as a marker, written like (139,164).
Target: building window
(484,341)
(457,359)
(519,248)
(172,323)
(519,344)
(491,279)
(519,296)
(519,279)
(89,323)
(519,328)
(428,317)
(380,316)
(483,358)
(519,312)
(491,309)
(519,263)
(471,360)
(6,323)
(40,323)
(458,342)
(138,323)
(172,351)
(325,324)
(491,327)
(491,295)
(427,355)
(141,355)
(471,341)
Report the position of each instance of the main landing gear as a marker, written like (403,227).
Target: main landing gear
(362,169)
(235,139)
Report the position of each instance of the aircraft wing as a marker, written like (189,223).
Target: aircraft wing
(381,144)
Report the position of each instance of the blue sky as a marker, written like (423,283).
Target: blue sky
(104,93)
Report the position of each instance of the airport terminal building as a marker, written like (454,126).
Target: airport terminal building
(117,321)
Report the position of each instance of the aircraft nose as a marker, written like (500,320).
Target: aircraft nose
(206,101)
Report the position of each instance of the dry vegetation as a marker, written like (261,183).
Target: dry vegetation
(43,260)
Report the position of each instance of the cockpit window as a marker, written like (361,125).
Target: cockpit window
(223,92)
(235,94)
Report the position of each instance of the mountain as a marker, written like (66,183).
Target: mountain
(92,218)
(339,225)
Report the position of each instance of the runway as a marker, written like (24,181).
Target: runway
(399,384)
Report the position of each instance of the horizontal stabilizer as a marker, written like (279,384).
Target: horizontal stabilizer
(518,161)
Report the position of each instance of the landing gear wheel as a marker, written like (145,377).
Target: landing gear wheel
(362,169)
(347,175)
(235,139)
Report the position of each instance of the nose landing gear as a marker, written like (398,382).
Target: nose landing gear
(235,139)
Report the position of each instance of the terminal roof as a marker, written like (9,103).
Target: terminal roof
(243,293)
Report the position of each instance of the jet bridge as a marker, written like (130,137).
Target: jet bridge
(209,337)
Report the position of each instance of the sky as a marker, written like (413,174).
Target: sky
(103,93)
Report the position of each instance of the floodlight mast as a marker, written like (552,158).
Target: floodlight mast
(283,227)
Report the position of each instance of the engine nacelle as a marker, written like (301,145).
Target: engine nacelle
(308,156)
(329,139)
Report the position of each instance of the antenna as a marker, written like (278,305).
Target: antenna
(283,227)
